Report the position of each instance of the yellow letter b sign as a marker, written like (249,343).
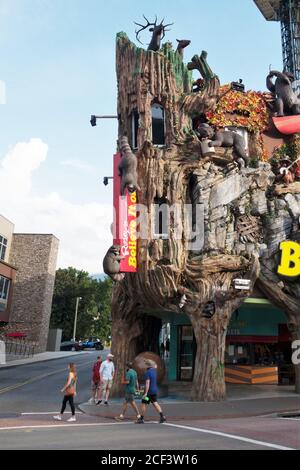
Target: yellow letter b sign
(290,259)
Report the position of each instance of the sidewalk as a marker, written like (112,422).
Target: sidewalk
(42,357)
(242,401)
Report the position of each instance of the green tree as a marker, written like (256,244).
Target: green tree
(94,308)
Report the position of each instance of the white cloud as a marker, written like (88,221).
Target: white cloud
(83,229)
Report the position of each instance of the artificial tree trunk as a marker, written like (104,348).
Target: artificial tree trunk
(208,381)
(210,333)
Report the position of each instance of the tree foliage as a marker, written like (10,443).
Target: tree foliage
(94,308)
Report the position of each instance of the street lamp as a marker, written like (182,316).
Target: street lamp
(76,315)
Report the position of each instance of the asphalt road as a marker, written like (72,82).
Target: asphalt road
(29,395)
(36,387)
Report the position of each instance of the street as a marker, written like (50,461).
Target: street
(29,396)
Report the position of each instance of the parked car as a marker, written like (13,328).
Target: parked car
(91,343)
(70,346)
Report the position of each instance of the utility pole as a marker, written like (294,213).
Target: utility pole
(76,315)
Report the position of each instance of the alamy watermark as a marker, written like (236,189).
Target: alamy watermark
(296,353)
(2,92)
(164,221)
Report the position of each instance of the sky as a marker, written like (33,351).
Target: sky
(57,66)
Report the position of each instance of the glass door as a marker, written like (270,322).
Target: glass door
(186,353)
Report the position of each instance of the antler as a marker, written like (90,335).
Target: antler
(143,27)
(164,27)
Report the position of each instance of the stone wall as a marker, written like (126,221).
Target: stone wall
(35,258)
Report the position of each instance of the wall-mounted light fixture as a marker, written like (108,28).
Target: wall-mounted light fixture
(106,178)
(94,118)
(242,284)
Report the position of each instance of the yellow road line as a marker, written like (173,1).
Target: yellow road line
(37,378)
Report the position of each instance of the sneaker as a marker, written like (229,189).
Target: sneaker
(57,418)
(92,401)
(119,418)
(140,421)
(72,419)
(162,420)
(106,403)
(98,402)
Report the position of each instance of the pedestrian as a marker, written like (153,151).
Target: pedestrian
(69,391)
(96,382)
(151,390)
(132,385)
(162,350)
(107,372)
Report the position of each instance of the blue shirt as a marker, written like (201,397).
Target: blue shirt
(152,376)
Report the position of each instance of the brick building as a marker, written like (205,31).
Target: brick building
(27,274)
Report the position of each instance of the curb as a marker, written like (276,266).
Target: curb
(8,366)
(285,411)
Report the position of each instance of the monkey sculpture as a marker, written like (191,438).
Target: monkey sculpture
(225,139)
(287,102)
(111,264)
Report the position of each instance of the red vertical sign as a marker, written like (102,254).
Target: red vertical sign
(125,229)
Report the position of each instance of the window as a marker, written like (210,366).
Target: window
(3,247)
(158,124)
(134,129)
(161,219)
(4,288)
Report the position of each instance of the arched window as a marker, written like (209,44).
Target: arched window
(158,124)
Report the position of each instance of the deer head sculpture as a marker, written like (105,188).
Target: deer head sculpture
(158,30)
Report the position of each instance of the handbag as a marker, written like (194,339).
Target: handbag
(70,391)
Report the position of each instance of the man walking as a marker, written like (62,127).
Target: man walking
(132,386)
(151,390)
(96,382)
(107,372)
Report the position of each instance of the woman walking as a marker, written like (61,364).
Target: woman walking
(69,391)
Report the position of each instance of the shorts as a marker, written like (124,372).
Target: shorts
(152,399)
(129,397)
(96,385)
(106,385)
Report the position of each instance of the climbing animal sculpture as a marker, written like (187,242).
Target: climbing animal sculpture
(111,264)
(287,102)
(127,168)
(225,139)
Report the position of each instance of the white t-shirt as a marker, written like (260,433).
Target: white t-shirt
(107,370)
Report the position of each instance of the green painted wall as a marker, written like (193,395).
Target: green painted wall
(256,320)
(252,319)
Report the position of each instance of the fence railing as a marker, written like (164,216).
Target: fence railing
(18,348)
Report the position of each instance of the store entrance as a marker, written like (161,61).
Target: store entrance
(187,352)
